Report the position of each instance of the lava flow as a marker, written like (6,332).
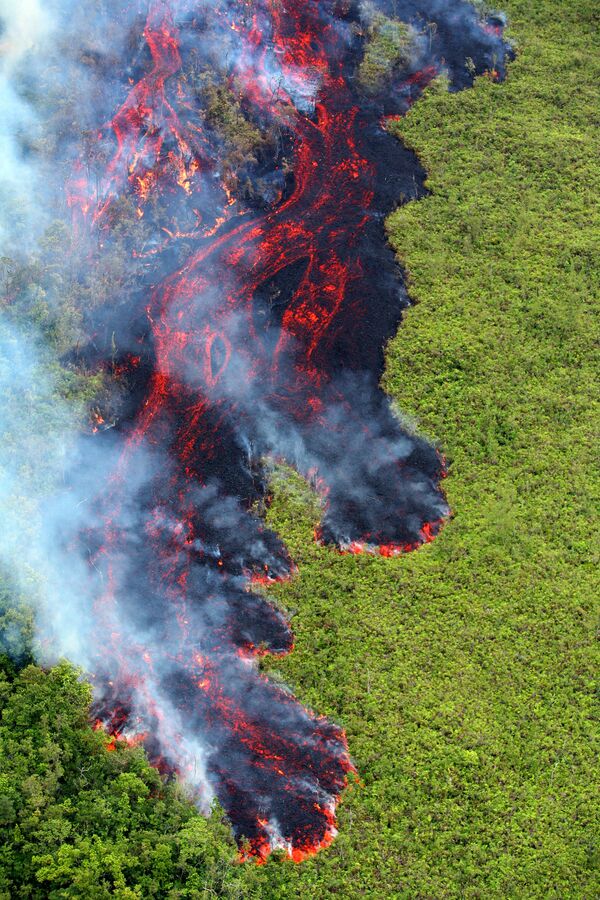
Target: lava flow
(250,151)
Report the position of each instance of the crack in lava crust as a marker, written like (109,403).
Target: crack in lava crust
(263,321)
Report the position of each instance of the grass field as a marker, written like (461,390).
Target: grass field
(465,673)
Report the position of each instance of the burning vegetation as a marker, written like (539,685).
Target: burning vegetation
(228,196)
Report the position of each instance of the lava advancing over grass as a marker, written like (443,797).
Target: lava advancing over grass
(251,150)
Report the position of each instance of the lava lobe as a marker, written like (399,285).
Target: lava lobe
(250,144)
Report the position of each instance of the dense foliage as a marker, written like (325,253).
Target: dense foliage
(79,821)
(465,673)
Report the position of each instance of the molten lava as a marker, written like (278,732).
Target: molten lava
(265,296)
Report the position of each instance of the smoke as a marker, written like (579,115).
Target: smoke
(223,177)
(23,27)
(37,429)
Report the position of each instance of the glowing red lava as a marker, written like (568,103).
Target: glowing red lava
(265,300)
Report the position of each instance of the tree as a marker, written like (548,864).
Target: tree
(79,821)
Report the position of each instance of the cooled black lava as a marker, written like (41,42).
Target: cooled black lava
(257,327)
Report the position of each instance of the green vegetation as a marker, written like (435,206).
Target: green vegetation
(466,673)
(390,45)
(224,113)
(79,821)
(243,142)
